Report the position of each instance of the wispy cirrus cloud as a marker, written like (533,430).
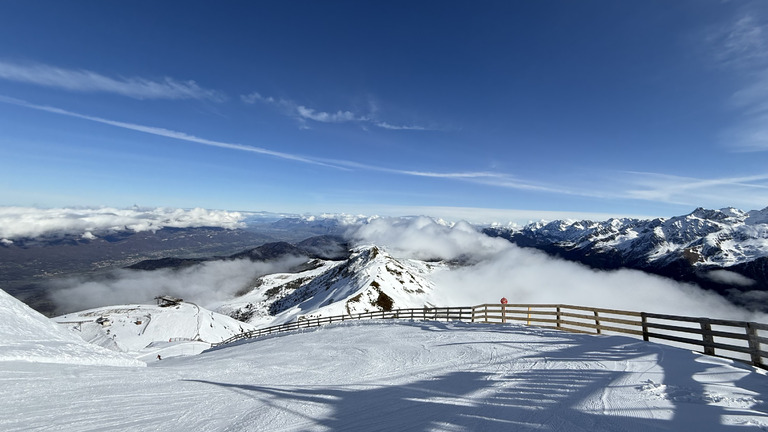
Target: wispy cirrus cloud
(740,47)
(257,97)
(168,133)
(504,181)
(487,178)
(741,41)
(80,80)
(749,192)
(744,191)
(324,117)
(303,114)
(385,125)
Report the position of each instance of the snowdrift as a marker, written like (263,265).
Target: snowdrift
(26,335)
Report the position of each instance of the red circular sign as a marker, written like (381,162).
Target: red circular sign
(503,300)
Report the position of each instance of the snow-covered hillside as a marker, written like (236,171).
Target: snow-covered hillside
(371,279)
(398,376)
(28,336)
(148,330)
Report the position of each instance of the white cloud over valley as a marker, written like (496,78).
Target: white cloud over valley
(28,222)
(483,269)
(729,277)
(501,269)
(206,284)
(425,239)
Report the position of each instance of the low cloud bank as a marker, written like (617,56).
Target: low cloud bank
(493,268)
(424,238)
(729,277)
(28,222)
(206,284)
(502,269)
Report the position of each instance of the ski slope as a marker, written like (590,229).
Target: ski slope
(26,335)
(397,376)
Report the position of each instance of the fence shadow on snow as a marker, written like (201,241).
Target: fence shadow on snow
(736,340)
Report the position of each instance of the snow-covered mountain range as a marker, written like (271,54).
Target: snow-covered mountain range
(722,238)
(718,249)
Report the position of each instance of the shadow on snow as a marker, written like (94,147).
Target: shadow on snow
(536,398)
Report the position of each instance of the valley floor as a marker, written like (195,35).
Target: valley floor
(397,376)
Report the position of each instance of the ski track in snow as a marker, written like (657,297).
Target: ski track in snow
(397,376)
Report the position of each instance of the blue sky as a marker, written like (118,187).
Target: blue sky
(515,108)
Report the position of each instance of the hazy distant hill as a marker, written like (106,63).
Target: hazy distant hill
(27,263)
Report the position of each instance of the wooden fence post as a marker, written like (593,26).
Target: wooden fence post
(754,345)
(597,323)
(644,318)
(707,337)
(503,313)
(559,317)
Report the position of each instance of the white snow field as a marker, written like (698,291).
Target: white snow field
(397,376)
(27,335)
(144,331)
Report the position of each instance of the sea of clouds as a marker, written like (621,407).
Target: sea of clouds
(29,222)
(491,267)
(207,284)
(500,269)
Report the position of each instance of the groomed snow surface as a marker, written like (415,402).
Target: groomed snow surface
(397,376)
(27,335)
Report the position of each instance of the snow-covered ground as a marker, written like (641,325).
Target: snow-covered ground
(28,336)
(360,376)
(398,376)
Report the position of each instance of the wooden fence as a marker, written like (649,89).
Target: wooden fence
(459,313)
(737,340)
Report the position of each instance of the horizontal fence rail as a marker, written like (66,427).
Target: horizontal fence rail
(457,313)
(737,340)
